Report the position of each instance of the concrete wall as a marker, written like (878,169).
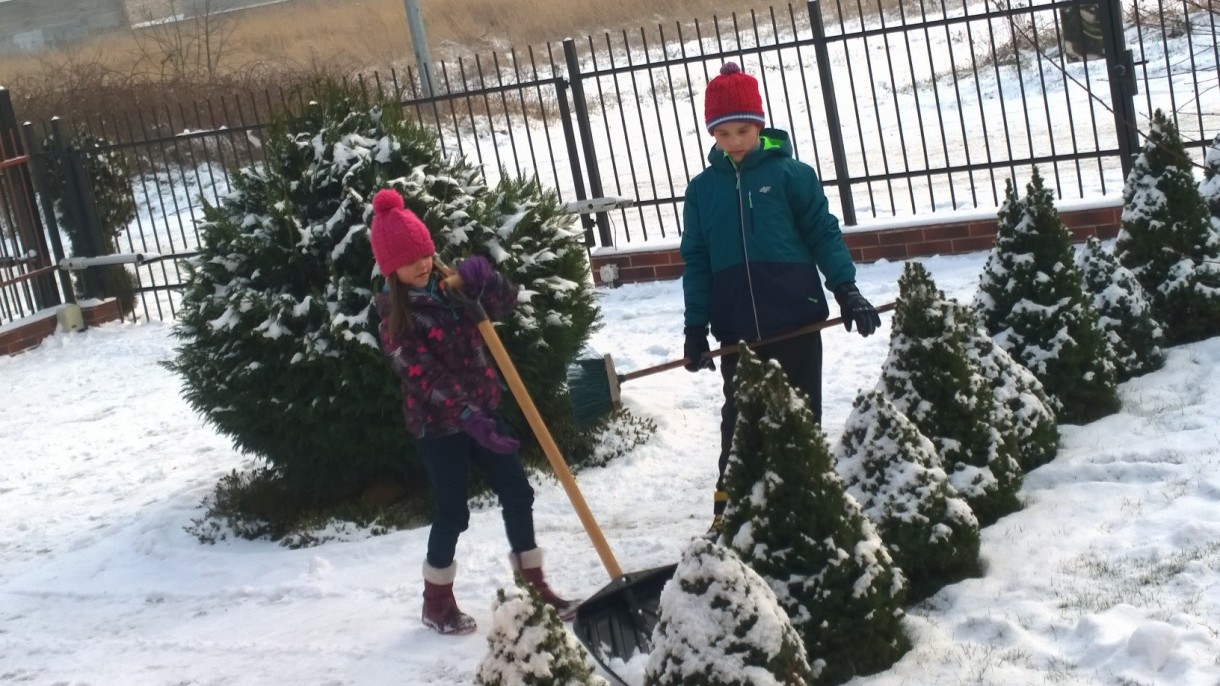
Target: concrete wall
(27,25)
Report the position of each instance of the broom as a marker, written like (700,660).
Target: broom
(594,385)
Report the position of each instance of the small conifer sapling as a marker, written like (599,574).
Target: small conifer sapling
(895,474)
(791,520)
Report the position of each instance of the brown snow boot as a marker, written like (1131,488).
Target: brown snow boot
(529,565)
(719,500)
(441,612)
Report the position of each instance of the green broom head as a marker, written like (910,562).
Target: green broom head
(589,389)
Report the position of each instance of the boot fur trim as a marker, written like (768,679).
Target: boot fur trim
(530,559)
(440,577)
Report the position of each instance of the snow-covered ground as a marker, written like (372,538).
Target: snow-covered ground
(1110,575)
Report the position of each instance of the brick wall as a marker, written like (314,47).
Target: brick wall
(897,243)
(30,332)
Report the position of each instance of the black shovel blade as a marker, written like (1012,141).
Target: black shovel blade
(617,621)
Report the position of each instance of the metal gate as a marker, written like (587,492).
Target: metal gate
(28,281)
(921,108)
(925,109)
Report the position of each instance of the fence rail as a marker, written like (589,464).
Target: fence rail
(921,109)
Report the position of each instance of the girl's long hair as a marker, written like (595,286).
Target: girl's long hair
(400,311)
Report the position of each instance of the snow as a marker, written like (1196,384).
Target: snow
(1111,572)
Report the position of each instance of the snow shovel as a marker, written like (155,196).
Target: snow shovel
(617,621)
(594,385)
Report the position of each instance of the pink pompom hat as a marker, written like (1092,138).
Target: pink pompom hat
(398,236)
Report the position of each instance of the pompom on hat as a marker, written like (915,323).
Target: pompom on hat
(732,96)
(398,236)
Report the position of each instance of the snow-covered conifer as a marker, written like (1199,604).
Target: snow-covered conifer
(1134,336)
(1025,412)
(1209,187)
(721,625)
(895,474)
(930,378)
(1167,239)
(791,520)
(1032,301)
(279,346)
(529,646)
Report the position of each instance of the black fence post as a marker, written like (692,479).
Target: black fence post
(1123,88)
(837,148)
(586,135)
(43,186)
(569,137)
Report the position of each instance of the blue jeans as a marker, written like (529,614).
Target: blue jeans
(447,460)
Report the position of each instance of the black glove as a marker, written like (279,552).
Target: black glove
(696,346)
(856,309)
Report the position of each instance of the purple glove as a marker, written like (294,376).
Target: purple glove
(476,273)
(482,428)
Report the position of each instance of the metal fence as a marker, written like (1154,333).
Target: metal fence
(923,108)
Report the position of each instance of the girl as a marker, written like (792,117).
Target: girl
(450,394)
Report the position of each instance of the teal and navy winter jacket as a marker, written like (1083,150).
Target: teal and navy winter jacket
(754,237)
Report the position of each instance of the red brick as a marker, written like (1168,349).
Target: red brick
(944,247)
(107,311)
(900,237)
(887,252)
(946,232)
(973,244)
(1097,217)
(646,259)
(670,271)
(636,274)
(987,228)
(861,240)
(1082,233)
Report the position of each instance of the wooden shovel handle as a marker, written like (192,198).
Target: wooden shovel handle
(731,349)
(549,448)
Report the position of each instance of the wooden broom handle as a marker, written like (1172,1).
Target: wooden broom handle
(549,448)
(730,349)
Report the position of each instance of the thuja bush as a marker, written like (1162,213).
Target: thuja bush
(1167,239)
(278,333)
(791,520)
(1026,413)
(529,646)
(895,473)
(930,377)
(1134,336)
(1209,187)
(1033,302)
(751,641)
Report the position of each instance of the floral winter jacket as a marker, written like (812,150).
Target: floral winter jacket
(442,362)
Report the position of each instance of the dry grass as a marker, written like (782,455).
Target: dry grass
(373,34)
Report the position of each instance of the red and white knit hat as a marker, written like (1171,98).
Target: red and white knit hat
(398,236)
(732,96)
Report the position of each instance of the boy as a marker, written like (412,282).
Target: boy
(756,231)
